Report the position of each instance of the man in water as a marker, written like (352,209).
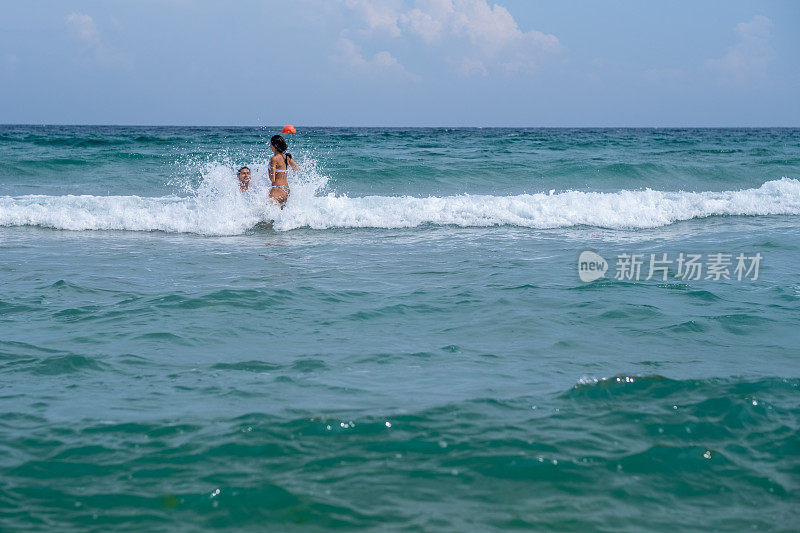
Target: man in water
(244,178)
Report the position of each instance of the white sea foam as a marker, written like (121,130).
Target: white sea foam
(216,207)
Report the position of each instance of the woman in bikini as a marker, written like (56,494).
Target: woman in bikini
(278,167)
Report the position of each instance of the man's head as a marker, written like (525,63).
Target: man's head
(244,177)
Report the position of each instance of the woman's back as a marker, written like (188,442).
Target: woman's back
(279,167)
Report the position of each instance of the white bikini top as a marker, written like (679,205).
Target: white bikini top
(275,169)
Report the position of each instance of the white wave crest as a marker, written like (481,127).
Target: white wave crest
(218,208)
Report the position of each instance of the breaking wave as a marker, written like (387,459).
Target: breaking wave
(216,207)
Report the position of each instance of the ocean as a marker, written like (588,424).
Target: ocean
(444,330)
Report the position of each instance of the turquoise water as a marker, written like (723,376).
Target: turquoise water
(408,345)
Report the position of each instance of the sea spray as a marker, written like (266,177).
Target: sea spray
(217,207)
(625,209)
(213,205)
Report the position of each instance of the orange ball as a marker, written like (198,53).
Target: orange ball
(289,129)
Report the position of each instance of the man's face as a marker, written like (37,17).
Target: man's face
(244,176)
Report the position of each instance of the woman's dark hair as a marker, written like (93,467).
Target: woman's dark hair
(280,145)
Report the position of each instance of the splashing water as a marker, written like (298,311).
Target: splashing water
(212,206)
(217,207)
(210,203)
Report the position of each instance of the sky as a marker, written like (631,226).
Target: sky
(517,63)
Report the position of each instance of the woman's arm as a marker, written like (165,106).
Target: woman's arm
(272,170)
(294,165)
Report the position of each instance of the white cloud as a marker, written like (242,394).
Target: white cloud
(472,66)
(424,25)
(83,27)
(84,30)
(378,15)
(749,57)
(487,31)
(493,28)
(349,55)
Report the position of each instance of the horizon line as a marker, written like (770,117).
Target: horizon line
(132,125)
